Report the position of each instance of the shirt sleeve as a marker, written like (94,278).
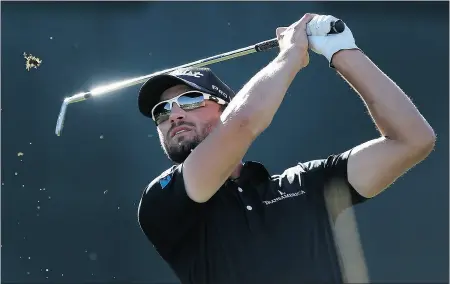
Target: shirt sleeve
(166,213)
(330,176)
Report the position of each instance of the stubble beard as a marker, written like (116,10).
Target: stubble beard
(179,152)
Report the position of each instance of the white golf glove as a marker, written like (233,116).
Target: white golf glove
(328,45)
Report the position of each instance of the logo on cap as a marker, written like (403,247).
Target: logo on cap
(187,73)
(219,91)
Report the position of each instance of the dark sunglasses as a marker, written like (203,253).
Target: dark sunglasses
(186,101)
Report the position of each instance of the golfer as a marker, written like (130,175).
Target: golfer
(218,220)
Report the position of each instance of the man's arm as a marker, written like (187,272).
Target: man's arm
(249,113)
(407,136)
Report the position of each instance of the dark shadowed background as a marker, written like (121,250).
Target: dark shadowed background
(69,203)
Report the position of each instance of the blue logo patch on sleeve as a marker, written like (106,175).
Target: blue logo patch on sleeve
(165,181)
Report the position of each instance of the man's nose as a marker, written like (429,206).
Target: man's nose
(176,113)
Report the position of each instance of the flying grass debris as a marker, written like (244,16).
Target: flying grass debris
(31,61)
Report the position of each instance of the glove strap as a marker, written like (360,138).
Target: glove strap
(352,48)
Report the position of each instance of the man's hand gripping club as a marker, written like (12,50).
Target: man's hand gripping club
(317,28)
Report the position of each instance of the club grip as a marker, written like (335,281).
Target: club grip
(336,28)
(266,45)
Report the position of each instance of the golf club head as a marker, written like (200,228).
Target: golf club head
(61,117)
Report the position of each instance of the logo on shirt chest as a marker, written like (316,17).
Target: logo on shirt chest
(165,181)
(283,196)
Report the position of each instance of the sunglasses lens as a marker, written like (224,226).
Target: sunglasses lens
(191,100)
(161,112)
(188,101)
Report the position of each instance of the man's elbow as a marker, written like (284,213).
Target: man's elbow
(430,140)
(423,145)
(427,141)
(428,146)
(419,138)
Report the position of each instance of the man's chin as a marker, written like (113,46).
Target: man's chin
(182,138)
(179,153)
(182,143)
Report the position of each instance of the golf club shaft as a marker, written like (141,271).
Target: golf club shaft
(262,46)
(335,27)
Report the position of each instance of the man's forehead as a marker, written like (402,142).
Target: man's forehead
(174,91)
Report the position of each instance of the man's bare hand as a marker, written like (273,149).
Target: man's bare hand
(293,40)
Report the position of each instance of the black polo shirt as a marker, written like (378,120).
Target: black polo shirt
(258,229)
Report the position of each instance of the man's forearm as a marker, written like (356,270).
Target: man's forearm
(393,112)
(257,102)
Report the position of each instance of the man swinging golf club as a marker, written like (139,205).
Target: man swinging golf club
(217,220)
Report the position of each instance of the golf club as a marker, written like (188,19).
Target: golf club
(335,27)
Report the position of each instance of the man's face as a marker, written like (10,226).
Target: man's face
(196,123)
